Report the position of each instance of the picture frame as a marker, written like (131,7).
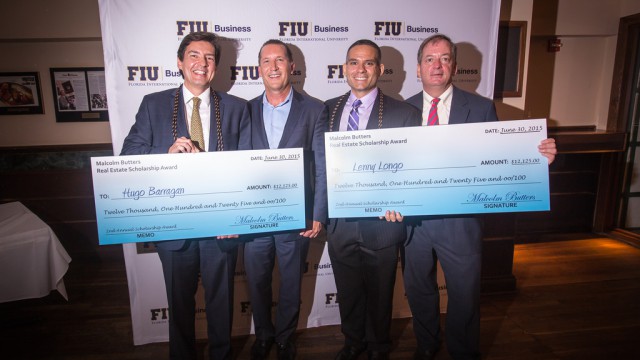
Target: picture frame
(510,57)
(79,94)
(20,93)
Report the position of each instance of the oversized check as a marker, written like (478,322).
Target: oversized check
(181,196)
(436,170)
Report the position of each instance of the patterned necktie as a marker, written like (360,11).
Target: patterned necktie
(196,125)
(433,113)
(354,118)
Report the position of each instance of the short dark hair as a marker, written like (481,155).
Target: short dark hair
(435,38)
(209,37)
(276,42)
(367,42)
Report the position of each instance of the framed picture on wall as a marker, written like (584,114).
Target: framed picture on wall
(512,39)
(20,93)
(80,94)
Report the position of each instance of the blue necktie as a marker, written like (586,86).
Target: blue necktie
(354,118)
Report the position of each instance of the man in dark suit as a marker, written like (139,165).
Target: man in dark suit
(364,252)
(190,119)
(454,240)
(284,118)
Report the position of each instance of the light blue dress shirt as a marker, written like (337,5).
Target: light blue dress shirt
(275,117)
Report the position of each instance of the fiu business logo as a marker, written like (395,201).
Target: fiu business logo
(188,26)
(331,299)
(143,73)
(335,74)
(245,74)
(293,28)
(159,316)
(466,75)
(387,28)
(245,306)
(335,71)
(324,266)
(463,71)
(392,30)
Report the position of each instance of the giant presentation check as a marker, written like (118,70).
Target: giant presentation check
(437,170)
(180,196)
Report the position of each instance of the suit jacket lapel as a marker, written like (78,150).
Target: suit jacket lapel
(459,107)
(373,117)
(417,101)
(338,116)
(295,115)
(181,119)
(260,131)
(213,123)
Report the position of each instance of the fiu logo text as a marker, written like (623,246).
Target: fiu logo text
(331,298)
(244,73)
(292,28)
(388,28)
(244,306)
(191,26)
(335,70)
(143,73)
(159,314)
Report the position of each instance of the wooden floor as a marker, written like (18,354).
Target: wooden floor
(576,299)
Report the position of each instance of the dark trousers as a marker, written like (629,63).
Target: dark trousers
(259,260)
(181,269)
(365,279)
(457,243)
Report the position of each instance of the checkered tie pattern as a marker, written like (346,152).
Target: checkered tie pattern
(354,118)
(197,136)
(433,113)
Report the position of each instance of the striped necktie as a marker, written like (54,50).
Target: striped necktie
(354,118)
(433,113)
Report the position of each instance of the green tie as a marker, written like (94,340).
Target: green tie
(196,125)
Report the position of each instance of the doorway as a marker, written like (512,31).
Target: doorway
(625,117)
(629,218)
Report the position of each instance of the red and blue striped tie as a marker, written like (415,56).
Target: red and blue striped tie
(433,113)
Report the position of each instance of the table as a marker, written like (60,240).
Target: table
(32,260)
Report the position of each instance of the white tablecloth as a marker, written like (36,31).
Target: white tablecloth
(32,260)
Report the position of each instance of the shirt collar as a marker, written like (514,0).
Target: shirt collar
(367,100)
(444,97)
(265,101)
(205,97)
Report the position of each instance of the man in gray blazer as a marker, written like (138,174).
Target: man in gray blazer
(284,118)
(165,123)
(364,251)
(454,240)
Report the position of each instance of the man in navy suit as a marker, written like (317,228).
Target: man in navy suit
(364,251)
(164,124)
(454,240)
(283,118)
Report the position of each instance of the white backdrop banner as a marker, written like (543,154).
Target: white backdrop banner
(140,41)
